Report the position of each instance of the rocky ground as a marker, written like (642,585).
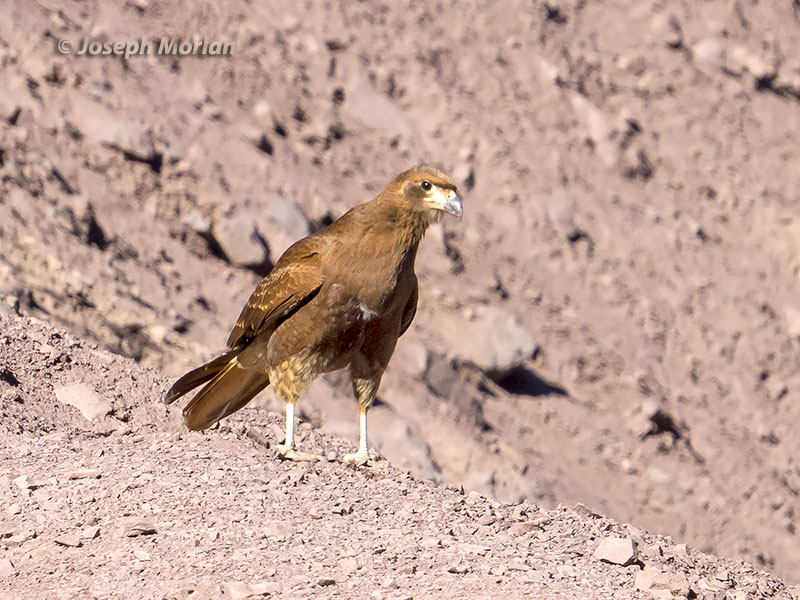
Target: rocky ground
(104,495)
(615,322)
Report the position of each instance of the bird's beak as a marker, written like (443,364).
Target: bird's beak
(449,202)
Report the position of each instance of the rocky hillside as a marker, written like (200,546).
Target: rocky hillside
(105,495)
(616,320)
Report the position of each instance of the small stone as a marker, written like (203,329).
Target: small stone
(365,104)
(326,581)
(42,495)
(19,538)
(129,137)
(464,176)
(141,555)
(562,217)
(9,107)
(477,549)
(518,564)
(197,221)
(523,528)
(487,519)
(408,569)
(474,497)
(7,568)
(9,396)
(709,50)
(70,540)
(710,584)
(566,571)
(137,528)
(263,113)
(240,240)
(264,588)
(348,565)
(84,398)
(236,590)
(40,553)
(282,223)
(85,223)
(23,483)
(740,59)
(669,29)
(342,508)
(776,388)
(598,127)
(50,505)
(14,509)
(89,533)
(84,474)
(495,340)
(617,551)
(792,317)
(457,569)
(655,580)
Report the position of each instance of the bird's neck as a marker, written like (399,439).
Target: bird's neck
(407,230)
(405,225)
(393,236)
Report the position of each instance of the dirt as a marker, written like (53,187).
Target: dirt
(128,504)
(630,201)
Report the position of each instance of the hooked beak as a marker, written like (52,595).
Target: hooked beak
(449,202)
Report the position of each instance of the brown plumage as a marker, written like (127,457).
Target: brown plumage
(338,298)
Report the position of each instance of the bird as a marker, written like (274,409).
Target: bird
(337,299)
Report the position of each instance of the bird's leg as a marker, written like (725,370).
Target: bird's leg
(362,456)
(289,438)
(287,451)
(365,390)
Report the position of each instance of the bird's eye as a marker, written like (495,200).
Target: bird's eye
(426,185)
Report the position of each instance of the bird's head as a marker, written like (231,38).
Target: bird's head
(428,191)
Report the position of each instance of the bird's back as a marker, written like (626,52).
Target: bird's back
(367,281)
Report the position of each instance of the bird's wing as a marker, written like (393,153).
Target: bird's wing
(294,281)
(410,309)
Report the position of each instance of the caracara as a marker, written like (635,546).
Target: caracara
(339,298)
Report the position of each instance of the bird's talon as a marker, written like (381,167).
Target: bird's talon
(285,452)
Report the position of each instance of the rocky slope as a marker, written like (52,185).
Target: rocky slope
(631,209)
(105,495)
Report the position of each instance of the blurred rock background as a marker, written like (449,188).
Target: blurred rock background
(614,322)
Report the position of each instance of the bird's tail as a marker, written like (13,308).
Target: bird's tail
(229,386)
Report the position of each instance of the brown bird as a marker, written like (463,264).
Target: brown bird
(340,297)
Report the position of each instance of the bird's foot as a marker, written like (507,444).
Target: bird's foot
(360,459)
(285,452)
